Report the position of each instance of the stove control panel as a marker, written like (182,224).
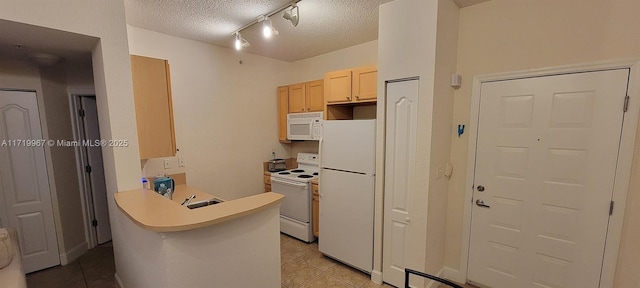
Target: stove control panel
(308,158)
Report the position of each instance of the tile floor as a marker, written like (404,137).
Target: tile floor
(303,266)
(95,269)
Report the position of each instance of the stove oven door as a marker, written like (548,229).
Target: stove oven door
(297,200)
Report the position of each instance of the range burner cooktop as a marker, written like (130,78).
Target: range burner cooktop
(306,171)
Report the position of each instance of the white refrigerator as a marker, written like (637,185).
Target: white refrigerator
(346,183)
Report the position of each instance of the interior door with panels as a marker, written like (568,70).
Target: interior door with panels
(401,125)
(24,181)
(546,158)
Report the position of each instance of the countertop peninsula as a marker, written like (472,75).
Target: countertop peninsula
(153,212)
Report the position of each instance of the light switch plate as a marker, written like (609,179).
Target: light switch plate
(181,161)
(167,163)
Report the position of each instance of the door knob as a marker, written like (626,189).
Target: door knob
(480,203)
(480,188)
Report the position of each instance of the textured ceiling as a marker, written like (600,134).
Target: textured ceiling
(325,25)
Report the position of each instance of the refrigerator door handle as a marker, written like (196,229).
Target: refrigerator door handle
(320,150)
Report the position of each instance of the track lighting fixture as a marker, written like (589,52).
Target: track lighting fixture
(267,27)
(292,15)
(240,42)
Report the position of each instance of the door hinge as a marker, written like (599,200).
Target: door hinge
(87,168)
(94,223)
(611,208)
(81,112)
(626,103)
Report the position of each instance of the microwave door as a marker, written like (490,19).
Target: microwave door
(299,131)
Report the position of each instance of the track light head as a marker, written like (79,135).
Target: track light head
(292,15)
(240,42)
(267,28)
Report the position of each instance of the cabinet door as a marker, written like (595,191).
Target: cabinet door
(315,208)
(338,86)
(154,110)
(283,109)
(365,87)
(315,96)
(297,98)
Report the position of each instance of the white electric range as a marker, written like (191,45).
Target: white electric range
(295,185)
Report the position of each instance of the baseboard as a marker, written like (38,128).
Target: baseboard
(376,277)
(118,280)
(454,275)
(433,284)
(74,253)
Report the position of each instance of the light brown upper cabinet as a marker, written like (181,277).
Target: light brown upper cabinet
(315,96)
(297,95)
(283,109)
(365,86)
(306,97)
(154,108)
(351,85)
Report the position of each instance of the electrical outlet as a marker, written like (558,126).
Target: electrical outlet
(181,161)
(167,163)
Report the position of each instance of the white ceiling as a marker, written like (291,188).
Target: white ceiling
(325,25)
(18,41)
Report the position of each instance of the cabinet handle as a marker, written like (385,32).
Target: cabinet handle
(357,97)
(348,98)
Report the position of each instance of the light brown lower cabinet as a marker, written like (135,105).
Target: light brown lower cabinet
(315,208)
(267,182)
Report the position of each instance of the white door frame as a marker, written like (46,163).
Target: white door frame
(83,178)
(623,169)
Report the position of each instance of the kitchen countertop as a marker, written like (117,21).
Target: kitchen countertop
(153,212)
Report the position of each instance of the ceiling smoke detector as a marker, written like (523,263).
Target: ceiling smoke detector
(292,15)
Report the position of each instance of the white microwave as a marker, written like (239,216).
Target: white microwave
(304,126)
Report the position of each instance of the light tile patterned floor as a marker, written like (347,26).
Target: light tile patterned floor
(303,266)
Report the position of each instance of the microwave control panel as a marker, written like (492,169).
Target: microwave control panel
(316,127)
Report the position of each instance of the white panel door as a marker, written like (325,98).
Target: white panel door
(94,158)
(346,217)
(402,117)
(545,168)
(24,182)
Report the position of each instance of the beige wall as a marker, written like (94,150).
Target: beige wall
(445,65)
(511,35)
(314,68)
(114,92)
(225,112)
(56,102)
